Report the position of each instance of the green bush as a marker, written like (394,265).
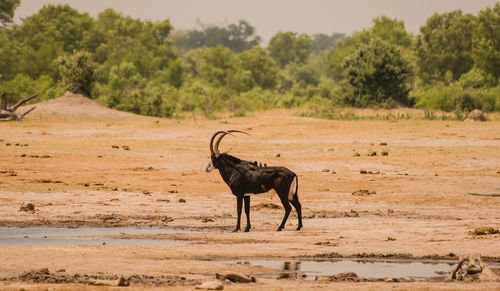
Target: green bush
(376,75)
(77,71)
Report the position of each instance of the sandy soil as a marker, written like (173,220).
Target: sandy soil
(439,181)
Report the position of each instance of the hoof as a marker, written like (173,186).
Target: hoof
(299,227)
(279,229)
(236,230)
(247,229)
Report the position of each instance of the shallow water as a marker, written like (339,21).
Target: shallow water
(410,270)
(43,236)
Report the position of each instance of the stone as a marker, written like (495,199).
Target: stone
(476,115)
(27,206)
(235,277)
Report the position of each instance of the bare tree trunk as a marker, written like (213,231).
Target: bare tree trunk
(10,114)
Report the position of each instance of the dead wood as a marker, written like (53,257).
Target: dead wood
(9,113)
(470,269)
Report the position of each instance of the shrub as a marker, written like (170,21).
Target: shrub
(376,74)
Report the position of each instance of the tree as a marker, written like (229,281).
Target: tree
(486,41)
(263,69)
(389,30)
(77,72)
(7,8)
(321,42)
(288,47)
(237,37)
(444,46)
(376,74)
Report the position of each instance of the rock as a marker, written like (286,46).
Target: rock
(356,154)
(363,172)
(211,285)
(325,170)
(123,282)
(372,153)
(385,153)
(383,144)
(27,206)
(278,155)
(182,200)
(235,277)
(476,115)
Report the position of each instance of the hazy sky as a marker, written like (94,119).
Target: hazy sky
(271,16)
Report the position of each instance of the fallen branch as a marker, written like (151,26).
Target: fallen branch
(10,114)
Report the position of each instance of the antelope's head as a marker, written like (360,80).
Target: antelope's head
(215,154)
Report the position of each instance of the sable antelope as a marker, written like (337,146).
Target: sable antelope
(245,178)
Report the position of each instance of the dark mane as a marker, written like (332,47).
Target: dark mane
(232,159)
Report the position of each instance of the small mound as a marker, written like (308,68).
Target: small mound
(74,106)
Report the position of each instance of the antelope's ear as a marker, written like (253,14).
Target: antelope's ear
(227,152)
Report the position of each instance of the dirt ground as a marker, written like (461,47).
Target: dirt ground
(439,181)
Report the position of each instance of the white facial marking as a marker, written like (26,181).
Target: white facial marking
(210,167)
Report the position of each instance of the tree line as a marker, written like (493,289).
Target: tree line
(150,68)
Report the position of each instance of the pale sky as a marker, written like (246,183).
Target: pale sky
(272,16)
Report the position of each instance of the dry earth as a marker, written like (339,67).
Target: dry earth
(439,181)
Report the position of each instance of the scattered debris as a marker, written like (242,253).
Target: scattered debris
(265,205)
(363,193)
(115,147)
(356,154)
(383,144)
(125,147)
(181,200)
(325,170)
(384,153)
(485,195)
(372,153)
(484,231)
(390,238)
(342,277)
(207,219)
(326,243)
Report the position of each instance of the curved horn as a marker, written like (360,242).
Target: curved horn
(216,148)
(212,141)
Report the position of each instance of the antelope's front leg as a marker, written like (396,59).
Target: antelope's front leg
(247,213)
(239,202)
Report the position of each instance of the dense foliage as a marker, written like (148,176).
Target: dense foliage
(148,67)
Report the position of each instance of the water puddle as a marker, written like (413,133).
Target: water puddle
(309,270)
(44,236)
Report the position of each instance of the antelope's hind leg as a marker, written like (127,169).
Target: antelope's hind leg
(295,202)
(286,205)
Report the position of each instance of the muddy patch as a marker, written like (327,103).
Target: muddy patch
(61,277)
(38,236)
(363,270)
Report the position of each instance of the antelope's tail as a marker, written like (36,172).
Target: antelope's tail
(294,188)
